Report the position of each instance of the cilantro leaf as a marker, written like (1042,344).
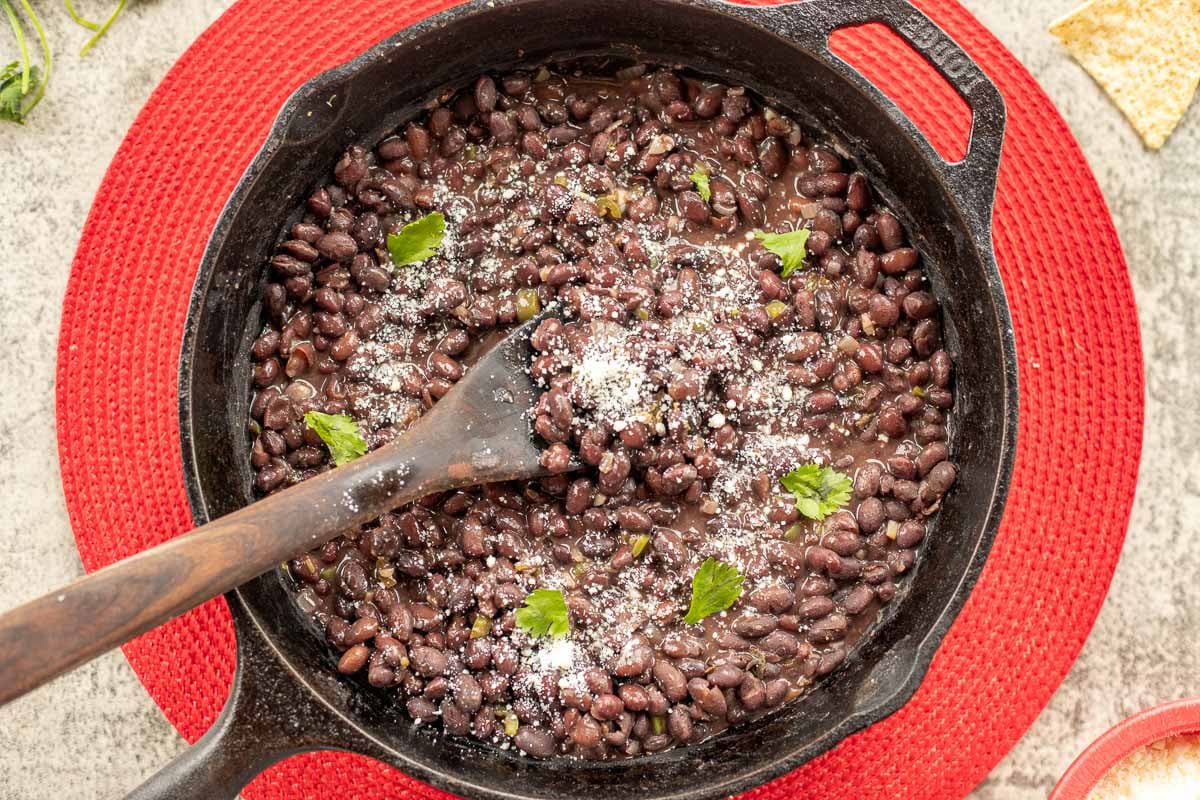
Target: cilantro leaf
(544,612)
(700,178)
(12,95)
(789,246)
(339,433)
(10,71)
(417,240)
(819,491)
(715,587)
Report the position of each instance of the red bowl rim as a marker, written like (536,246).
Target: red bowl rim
(1159,722)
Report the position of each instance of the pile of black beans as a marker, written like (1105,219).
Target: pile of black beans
(582,189)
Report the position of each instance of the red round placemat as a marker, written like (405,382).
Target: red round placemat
(1073,313)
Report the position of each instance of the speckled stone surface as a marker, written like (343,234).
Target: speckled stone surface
(96,734)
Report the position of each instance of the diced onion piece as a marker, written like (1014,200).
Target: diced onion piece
(661,143)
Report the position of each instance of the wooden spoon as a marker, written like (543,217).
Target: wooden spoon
(478,433)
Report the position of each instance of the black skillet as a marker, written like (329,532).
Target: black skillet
(286,697)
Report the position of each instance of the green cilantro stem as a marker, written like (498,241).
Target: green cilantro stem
(47,58)
(103,28)
(21,95)
(18,32)
(78,18)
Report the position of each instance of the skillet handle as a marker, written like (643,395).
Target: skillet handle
(270,715)
(248,736)
(973,178)
(217,766)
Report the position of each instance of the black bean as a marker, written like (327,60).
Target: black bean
(670,680)
(515,84)
(919,305)
(829,183)
(633,660)
(940,367)
(485,93)
(773,157)
(634,519)
(353,660)
(679,723)
(586,733)
(607,707)
(930,456)
(562,134)
(692,206)
(751,208)
(503,130)
(883,312)
(362,630)
(708,102)
(941,477)
(925,337)
(898,260)
(828,629)
(634,697)
(777,691)
(428,661)
(856,600)
(536,742)
(888,228)
(724,199)
(815,607)
(858,193)
(755,625)
(337,246)
(669,547)
(780,643)
(773,599)
(556,458)
(752,692)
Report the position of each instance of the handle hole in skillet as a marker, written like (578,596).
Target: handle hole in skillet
(903,74)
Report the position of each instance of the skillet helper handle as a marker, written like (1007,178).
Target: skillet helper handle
(216,767)
(973,179)
(61,630)
(269,716)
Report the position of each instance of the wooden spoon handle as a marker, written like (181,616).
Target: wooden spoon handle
(61,630)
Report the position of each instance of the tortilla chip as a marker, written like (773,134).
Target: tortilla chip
(1144,53)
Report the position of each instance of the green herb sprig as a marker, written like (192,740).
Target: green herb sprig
(544,613)
(16,85)
(22,83)
(819,491)
(715,587)
(99,30)
(788,246)
(417,240)
(339,433)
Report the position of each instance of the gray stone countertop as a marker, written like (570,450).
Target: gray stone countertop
(96,734)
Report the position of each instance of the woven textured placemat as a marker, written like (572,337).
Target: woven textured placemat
(1072,307)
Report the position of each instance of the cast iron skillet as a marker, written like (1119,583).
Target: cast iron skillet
(287,698)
